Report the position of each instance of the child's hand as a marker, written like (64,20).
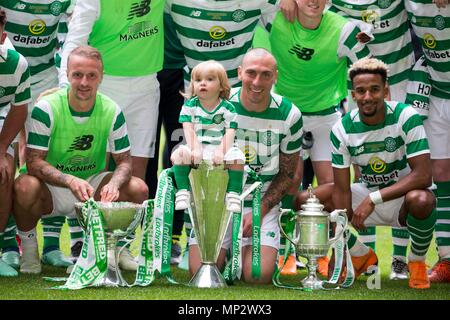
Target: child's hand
(197,155)
(218,157)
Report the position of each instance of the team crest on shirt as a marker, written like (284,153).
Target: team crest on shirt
(390,144)
(238,15)
(429,41)
(2,92)
(377,165)
(439,21)
(56,8)
(384,3)
(218,118)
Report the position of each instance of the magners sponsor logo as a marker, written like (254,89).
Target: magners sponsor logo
(139,30)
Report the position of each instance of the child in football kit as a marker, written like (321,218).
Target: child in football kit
(209,125)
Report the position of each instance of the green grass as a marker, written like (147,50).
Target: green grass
(34,287)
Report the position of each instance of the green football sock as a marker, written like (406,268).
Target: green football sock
(400,240)
(9,236)
(421,232)
(181,174)
(51,230)
(368,236)
(76,231)
(235,181)
(443,219)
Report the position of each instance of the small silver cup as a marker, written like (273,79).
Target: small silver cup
(121,220)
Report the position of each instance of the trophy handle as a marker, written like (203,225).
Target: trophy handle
(334,218)
(282,230)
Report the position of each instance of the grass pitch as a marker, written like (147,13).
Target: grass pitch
(34,287)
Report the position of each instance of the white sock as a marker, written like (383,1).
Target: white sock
(412,257)
(359,249)
(28,238)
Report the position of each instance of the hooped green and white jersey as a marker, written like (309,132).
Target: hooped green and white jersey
(218,30)
(77,142)
(14,79)
(261,136)
(209,126)
(381,151)
(390,27)
(32,27)
(432,27)
(419,88)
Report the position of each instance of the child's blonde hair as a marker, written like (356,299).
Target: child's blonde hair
(219,70)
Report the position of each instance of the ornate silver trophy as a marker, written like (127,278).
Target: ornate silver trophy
(120,220)
(312,239)
(210,220)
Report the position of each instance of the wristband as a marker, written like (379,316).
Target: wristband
(376,197)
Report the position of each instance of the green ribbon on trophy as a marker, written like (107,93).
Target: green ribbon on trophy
(145,273)
(256,233)
(341,250)
(92,265)
(233,269)
(162,225)
(93,261)
(289,228)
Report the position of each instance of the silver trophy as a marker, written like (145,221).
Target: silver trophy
(120,220)
(210,220)
(312,240)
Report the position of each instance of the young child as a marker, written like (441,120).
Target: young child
(209,127)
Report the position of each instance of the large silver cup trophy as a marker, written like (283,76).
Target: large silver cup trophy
(120,220)
(210,220)
(312,229)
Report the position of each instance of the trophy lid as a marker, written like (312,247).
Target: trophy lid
(313,205)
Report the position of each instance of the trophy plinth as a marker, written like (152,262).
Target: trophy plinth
(210,220)
(120,220)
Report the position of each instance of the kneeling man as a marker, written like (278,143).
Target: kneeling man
(69,134)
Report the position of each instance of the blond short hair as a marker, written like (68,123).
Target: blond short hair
(369,65)
(219,70)
(87,52)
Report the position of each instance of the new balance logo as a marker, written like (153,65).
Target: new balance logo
(139,9)
(82,143)
(302,52)
(196,13)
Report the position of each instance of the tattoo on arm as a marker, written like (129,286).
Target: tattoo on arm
(37,166)
(282,180)
(122,173)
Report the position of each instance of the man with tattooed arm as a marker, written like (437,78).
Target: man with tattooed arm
(70,132)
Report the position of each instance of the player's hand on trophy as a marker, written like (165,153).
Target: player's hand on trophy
(361,213)
(5,170)
(81,189)
(218,157)
(109,193)
(197,155)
